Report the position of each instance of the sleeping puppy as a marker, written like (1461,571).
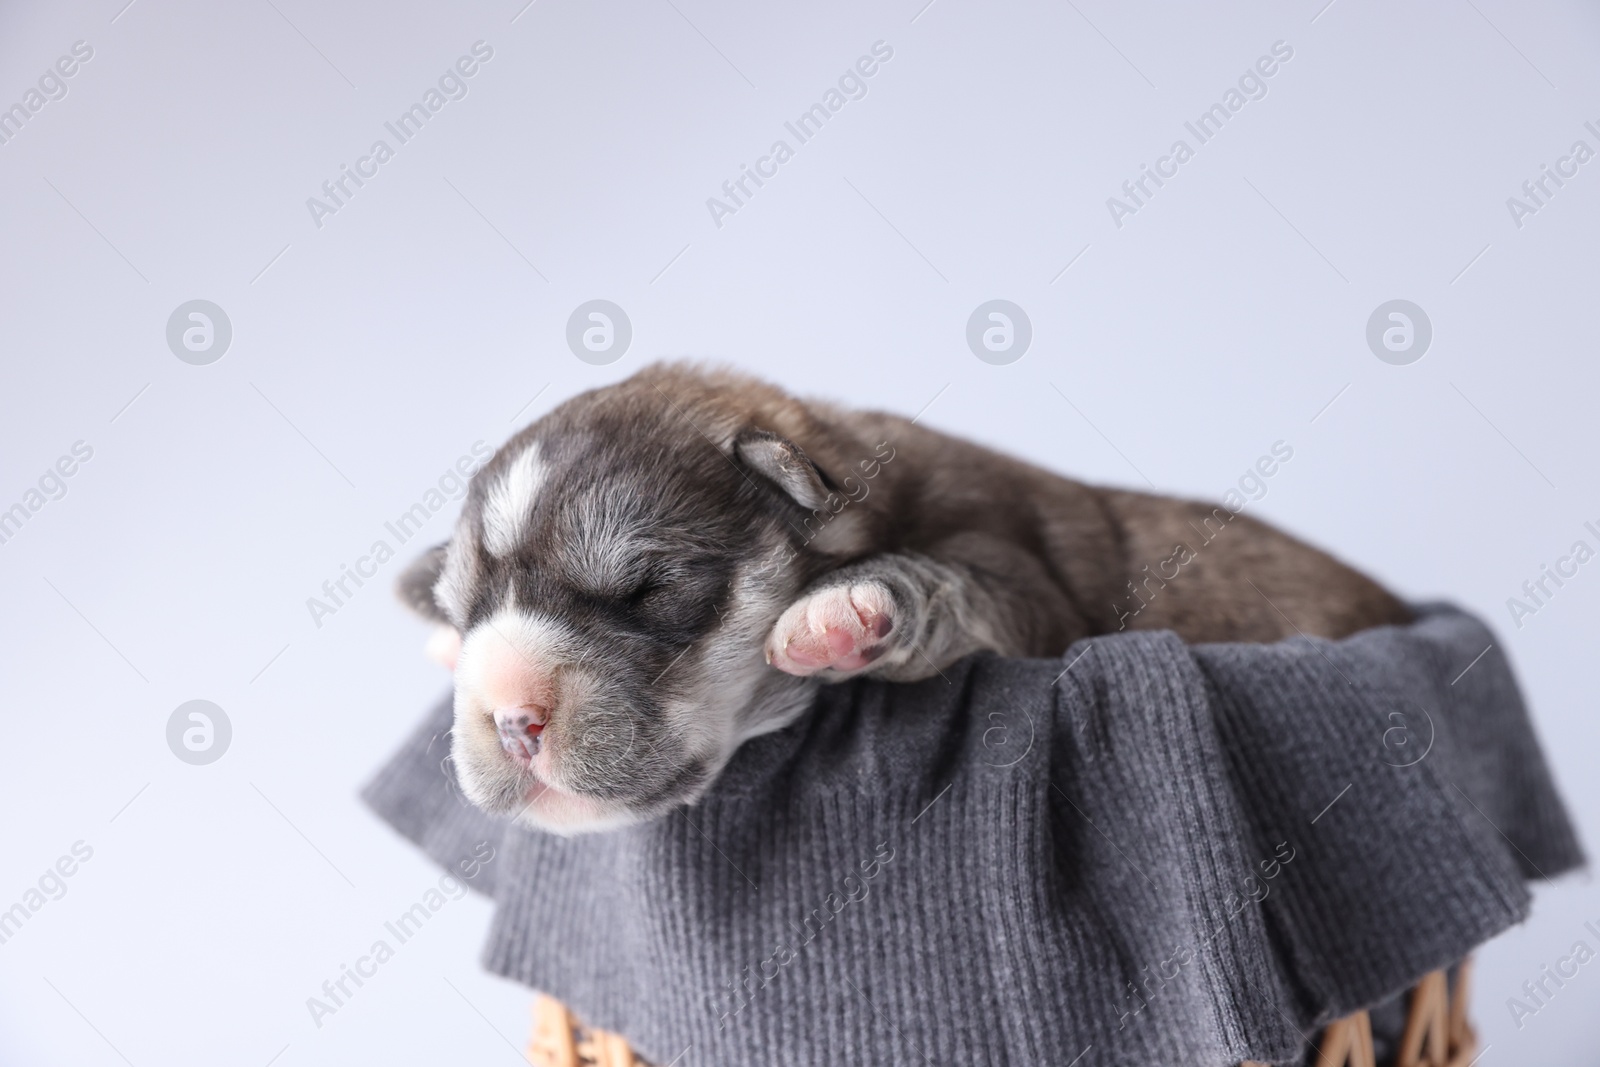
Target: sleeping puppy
(658,570)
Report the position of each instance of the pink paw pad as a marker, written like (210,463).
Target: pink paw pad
(843,629)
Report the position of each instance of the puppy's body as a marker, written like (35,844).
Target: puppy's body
(660,569)
(1055,560)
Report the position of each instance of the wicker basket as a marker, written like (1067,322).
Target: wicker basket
(559,1040)
(1437,1034)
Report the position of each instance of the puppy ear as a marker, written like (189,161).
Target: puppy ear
(782,462)
(416,582)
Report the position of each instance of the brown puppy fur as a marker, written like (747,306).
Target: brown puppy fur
(659,569)
(1056,559)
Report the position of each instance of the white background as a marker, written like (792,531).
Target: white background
(370,353)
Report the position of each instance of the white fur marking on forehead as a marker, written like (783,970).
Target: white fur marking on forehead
(510,504)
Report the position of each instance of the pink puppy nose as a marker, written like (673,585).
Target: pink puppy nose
(519,729)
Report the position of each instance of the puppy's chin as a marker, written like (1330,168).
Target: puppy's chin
(568,814)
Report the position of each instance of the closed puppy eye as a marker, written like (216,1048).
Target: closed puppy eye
(632,589)
(644,589)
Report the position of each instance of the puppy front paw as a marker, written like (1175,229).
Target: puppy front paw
(844,628)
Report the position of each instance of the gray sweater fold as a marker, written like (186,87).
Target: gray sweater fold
(1144,852)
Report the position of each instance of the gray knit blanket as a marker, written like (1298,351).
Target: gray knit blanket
(1144,852)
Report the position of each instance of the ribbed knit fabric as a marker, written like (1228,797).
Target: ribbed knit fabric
(1142,853)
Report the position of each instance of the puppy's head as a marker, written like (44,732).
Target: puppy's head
(613,576)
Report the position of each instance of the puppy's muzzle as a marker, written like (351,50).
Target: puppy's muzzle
(520,729)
